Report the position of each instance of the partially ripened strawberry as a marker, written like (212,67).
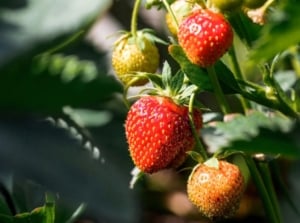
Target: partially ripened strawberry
(216,188)
(132,54)
(158,133)
(205,36)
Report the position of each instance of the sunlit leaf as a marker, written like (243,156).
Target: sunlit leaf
(256,133)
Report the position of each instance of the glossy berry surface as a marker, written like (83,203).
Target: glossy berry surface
(205,36)
(158,133)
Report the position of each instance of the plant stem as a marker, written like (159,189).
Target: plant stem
(8,199)
(271,82)
(195,133)
(260,185)
(169,9)
(134,17)
(50,207)
(238,75)
(294,60)
(75,37)
(266,175)
(218,90)
(257,93)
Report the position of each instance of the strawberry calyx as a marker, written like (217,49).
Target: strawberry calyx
(139,38)
(176,87)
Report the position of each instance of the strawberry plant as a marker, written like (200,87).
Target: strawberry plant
(149,111)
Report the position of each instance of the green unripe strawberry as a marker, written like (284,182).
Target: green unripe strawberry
(227,5)
(253,4)
(134,54)
(216,189)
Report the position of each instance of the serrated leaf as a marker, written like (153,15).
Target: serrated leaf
(281,32)
(52,81)
(58,162)
(36,25)
(270,135)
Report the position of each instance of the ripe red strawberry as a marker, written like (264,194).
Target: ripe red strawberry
(216,189)
(205,36)
(159,133)
(134,54)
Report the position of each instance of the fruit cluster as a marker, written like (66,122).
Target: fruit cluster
(164,124)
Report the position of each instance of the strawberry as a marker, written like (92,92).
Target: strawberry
(159,133)
(216,188)
(205,36)
(132,54)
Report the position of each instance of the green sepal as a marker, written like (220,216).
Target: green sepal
(212,162)
(195,156)
(177,81)
(166,74)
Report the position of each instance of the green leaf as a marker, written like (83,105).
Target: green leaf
(53,81)
(226,77)
(196,75)
(199,77)
(270,135)
(57,160)
(281,32)
(37,25)
(247,31)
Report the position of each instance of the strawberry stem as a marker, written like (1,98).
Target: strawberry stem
(266,176)
(169,9)
(134,16)
(199,145)
(265,196)
(218,90)
(238,75)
